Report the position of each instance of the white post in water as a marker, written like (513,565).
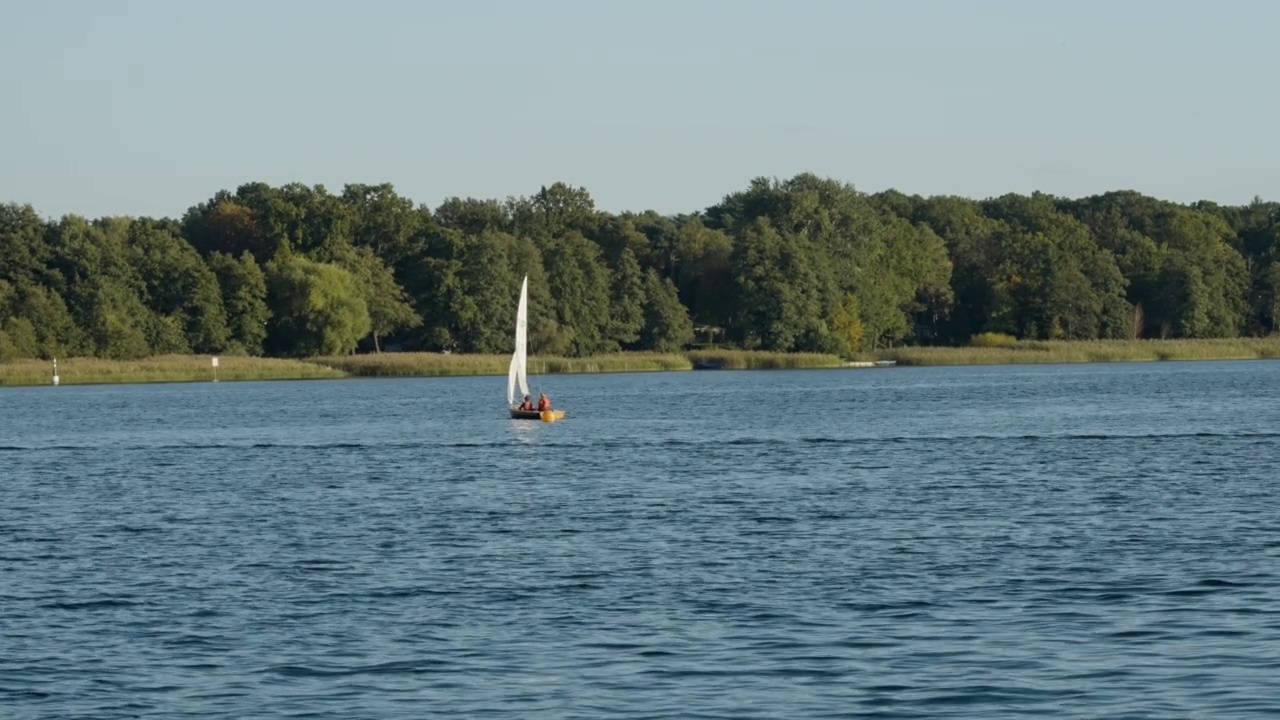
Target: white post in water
(55,371)
(215,369)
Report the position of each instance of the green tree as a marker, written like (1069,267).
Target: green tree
(91,268)
(775,288)
(56,332)
(699,261)
(847,324)
(390,307)
(244,296)
(180,289)
(1184,299)
(667,327)
(626,300)
(317,308)
(384,221)
(118,321)
(485,308)
(24,254)
(472,216)
(579,284)
(546,335)
(853,245)
(1268,304)
(227,226)
(554,211)
(17,334)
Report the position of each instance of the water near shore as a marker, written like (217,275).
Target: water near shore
(1071,541)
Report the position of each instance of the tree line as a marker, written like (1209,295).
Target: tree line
(802,264)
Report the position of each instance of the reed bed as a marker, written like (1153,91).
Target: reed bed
(439,364)
(197,368)
(1083,351)
(160,368)
(615,362)
(415,364)
(763,360)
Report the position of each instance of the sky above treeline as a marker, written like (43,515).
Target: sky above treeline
(146,107)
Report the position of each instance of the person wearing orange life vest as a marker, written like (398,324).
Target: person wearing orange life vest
(527,404)
(543,402)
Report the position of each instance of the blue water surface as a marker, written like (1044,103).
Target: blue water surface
(1052,541)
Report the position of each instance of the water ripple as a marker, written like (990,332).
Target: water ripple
(1050,543)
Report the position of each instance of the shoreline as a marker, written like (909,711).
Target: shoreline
(199,368)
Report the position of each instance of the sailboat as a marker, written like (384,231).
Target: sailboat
(517,373)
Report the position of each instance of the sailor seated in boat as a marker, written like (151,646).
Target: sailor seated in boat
(543,402)
(527,404)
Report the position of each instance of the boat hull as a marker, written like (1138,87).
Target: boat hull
(518,414)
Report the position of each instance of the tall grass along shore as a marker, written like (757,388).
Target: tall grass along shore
(1085,351)
(197,368)
(160,368)
(435,364)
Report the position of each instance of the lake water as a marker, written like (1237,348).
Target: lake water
(1052,542)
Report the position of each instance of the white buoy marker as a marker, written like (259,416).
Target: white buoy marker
(55,371)
(215,369)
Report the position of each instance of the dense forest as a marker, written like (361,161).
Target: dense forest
(807,263)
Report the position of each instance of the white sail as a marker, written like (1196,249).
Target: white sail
(517,373)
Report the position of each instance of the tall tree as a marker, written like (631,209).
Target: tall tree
(390,307)
(244,295)
(627,299)
(667,327)
(317,308)
(775,288)
(179,288)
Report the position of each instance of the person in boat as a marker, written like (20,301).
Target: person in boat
(527,404)
(543,402)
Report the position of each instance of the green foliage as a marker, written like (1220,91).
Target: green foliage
(847,325)
(666,325)
(554,211)
(384,222)
(119,323)
(317,308)
(698,260)
(389,306)
(484,309)
(24,251)
(992,340)
(244,296)
(17,334)
(579,284)
(56,331)
(776,287)
(627,300)
(180,289)
(805,264)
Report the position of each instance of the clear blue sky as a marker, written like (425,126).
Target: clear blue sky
(148,107)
